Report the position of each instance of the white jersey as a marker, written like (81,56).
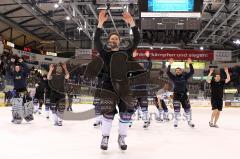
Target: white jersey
(163,94)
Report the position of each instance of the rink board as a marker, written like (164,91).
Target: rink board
(194,102)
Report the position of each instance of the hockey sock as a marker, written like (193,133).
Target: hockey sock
(106,126)
(123,127)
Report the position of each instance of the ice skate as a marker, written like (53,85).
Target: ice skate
(16,121)
(175,124)
(211,124)
(60,123)
(191,124)
(130,124)
(97,124)
(159,119)
(121,142)
(47,114)
(104,143)
(165,117)
(69,109)
(146,124)
(55,123)
(216,126)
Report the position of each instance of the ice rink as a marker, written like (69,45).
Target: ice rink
(78,139)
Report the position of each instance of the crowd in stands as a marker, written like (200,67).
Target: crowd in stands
(8,61)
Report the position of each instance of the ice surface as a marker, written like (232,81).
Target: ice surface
(78,139)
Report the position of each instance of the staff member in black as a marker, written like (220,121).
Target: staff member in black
(180,97)
(217,86)
(106,55)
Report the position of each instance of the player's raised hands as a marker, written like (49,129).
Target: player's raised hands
(64,66)
(171,61)
(51,67)
(211,70)
(102,17)
(189,61)
(127,17)
(225,68)
(135,53)
(147,54)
